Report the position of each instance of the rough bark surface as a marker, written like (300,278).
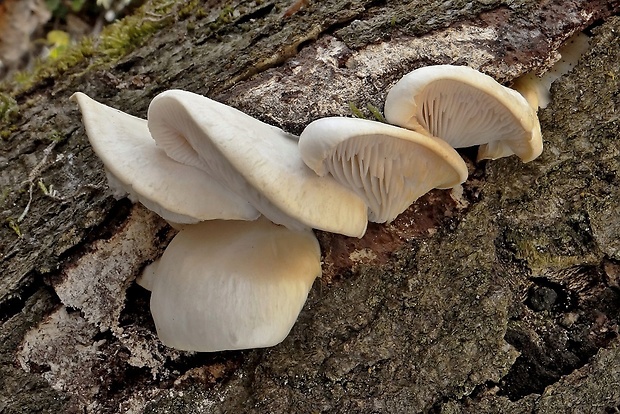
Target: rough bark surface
(504,297)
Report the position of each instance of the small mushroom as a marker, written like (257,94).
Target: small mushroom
(537,90)
(387,166)
(259,162)
(465,108)
(134,165)
(224,285)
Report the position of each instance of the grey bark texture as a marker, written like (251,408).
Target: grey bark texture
(504,297)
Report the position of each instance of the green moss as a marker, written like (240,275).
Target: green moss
(8,107)
(123,36)
(200,13)
(115,41)
(4,195)
(226,15)
(73,56)
(5,133)
(540,258)
(43,69)
(374,111)
(57,137)
(44,189)
(8,112)
(356,111)
(190,8)
(13,225)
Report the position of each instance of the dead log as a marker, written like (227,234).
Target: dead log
(502,299)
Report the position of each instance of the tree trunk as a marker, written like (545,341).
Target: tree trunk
(504,298)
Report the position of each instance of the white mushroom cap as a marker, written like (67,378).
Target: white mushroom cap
(257,161)
(223,285)
(389,167)
(465,107)
(134,165)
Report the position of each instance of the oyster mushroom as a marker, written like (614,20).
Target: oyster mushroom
(179,193)
(537,90)
(224,285)
(465,108)
(259,162)
(387,166)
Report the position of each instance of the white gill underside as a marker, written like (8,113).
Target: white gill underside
(383,172)
(465,116)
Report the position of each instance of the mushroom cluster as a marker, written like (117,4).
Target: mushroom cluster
(228,280)
(245,195)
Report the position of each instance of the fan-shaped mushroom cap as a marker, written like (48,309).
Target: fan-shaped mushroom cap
(224,285)
(134,165)
(257,161)
(389,167)
(465,107)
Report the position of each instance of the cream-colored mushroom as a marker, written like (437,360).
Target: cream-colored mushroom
(259,162)
(223,285)
(537,90)
(465,108)
(135,166)
(389,167)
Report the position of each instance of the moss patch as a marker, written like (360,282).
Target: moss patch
(114,42)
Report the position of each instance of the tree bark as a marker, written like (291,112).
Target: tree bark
(503,298)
